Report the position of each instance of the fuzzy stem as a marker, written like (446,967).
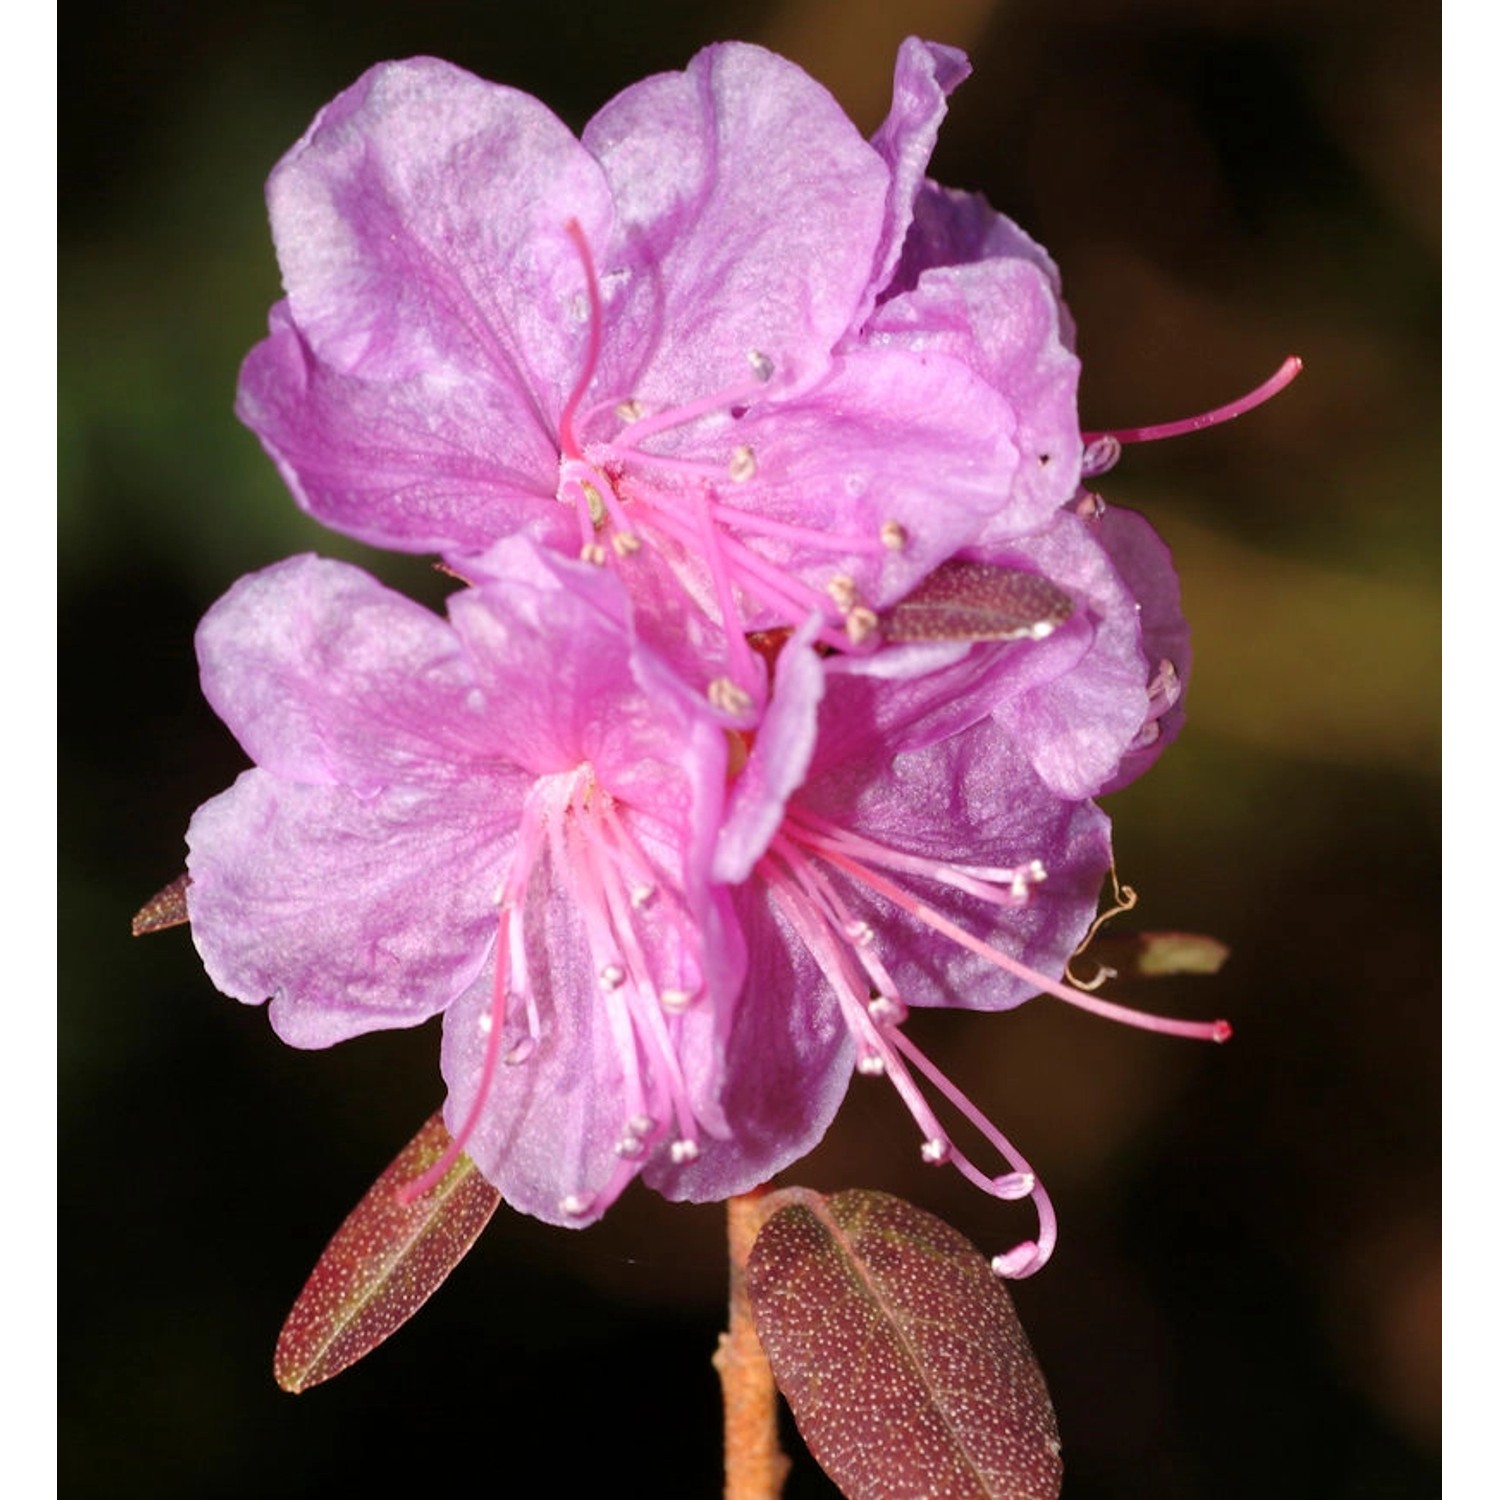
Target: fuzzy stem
(755,1468)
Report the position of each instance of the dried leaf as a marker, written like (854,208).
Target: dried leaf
(900,1353)
(385,1261)
(167,908)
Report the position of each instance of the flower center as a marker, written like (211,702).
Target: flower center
(704,513)
(643,951)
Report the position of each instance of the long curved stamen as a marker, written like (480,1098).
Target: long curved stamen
(814,911)
(567,437)
(1290,368)
(512,898)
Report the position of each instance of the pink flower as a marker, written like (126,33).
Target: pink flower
(657,346)
(507,818)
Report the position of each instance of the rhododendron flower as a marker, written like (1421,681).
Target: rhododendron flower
(509,818)
(689,335)
(898,837)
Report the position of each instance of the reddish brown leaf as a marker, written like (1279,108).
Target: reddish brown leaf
(167,908)
(385,1261)
(900,1353)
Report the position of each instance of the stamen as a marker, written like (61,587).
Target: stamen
(576,1205)
(729,698)
(1290,368)
(893,535)
(762,365)
(567,438)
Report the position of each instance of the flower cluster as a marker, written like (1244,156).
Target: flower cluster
(790,652)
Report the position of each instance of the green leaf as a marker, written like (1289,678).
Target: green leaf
(1155,955)
(385,1261)
(900,1354)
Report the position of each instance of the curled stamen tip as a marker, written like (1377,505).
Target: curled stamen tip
(935,1151)
(1016,1264)
(684,1151)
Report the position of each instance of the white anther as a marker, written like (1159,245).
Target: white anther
(611,976)
(630,411)
(640,1124)
(630,1146)
(860,623)
(871,1064)
(742,464)
(1012,1185)
(684,1151)
(842,590)
(1100,456)
(625,543)
(893,534)
(935,1151)
(761,364)
(885,1010)
(486,1024)
(640,895)
(859,933)
(676,1001)
(592,552)
(729,697)
(575,1205)
(521,1051)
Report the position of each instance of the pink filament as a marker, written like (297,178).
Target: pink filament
(1290,368)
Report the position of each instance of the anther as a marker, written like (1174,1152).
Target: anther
(761,364)
(640,895)
(592,552)
(676,1001)
(486,1024)
(870,1064)
(684,1151)
(630,411)
(729,697)
(841,589)
(630,1146)
(886,1010)
(935,1151)
(860,624)
(521,1051)
(640,1124)
(860,933)
(611,976)
(625,543)
(1010,1186)
(742,464)
(893,535)
(1100,456)
(575,1205)
(597,512)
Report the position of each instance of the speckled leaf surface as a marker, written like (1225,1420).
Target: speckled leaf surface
(167,908)
(385,1261)
(900,1353)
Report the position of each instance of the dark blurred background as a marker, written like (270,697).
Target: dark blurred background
(1245,1297)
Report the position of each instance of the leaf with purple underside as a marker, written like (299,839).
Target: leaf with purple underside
(385,1261)
(900,1353)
